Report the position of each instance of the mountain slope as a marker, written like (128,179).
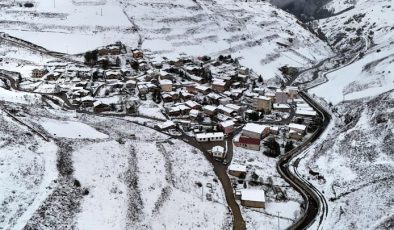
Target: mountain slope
(369,25)
(353,164)
(262,36)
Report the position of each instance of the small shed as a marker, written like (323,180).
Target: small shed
(237,170)
(253,198)
(218,152)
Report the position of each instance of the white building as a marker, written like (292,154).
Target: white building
(218,151)
(306,113)
(253,198)
(166,85)
(255,130)
(204,137)
(237,170)
(297,127)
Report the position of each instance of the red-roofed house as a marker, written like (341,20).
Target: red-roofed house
(248,143)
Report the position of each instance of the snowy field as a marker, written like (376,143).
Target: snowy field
(71,129)
(370,76)
(262,37)
(370,25)
(80,25)
(19,97)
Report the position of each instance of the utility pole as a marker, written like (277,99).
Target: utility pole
(278,222)
(54,3)
(101,11)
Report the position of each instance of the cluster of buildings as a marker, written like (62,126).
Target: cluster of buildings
(210,99)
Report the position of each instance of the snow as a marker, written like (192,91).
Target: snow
(19,97)
(296,127)
(340,82)
(372,74)
(236,167)
(254,128)
(71,129)
(100,168)
(27,173)
(355,163)
(226,124)
(253,195)
(80,27)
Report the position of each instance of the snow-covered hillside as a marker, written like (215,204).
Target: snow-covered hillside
(369,25)
(87,173)
(354,165)
(264,37)
(67,26)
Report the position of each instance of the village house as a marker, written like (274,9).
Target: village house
(237,170)
(167,97)
(203,89)
(253,198)
(255,131)
(112,74)
(243,70)
(109,50)
(225,100)
(292,91)
(53,76)
(166,85)
(238,109)
(297,127)
(226,110)
(194,114)
(193,104)
(282,107)
(281,96)
(142,88)
(218,152)
(270,95)
(295,135)
(38,73)
(247,143)
(99,107)
(260,91)
(263,103)
(87,101)
(137,54)
(305,113)
(130,84)
(210,110)
(186,95)
(166,125)
(274,130)
(227,126)
(218,85)
(204,137)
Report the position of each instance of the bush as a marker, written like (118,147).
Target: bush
(274,148)
(289,146)
(28,4)
(77,183)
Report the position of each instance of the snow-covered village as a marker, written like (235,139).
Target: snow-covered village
(195,115)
